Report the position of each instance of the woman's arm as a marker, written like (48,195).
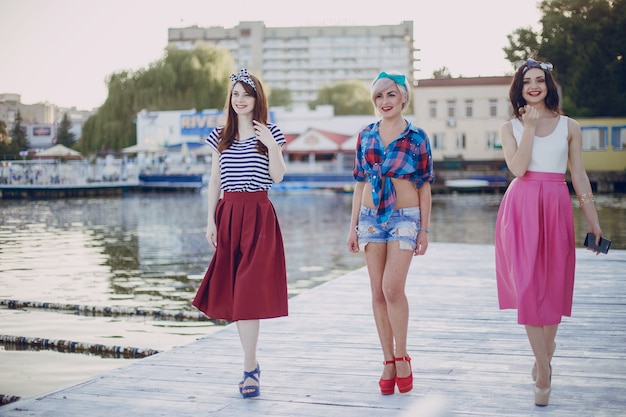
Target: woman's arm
(277,165)
(517,157)
(357,197)
(277,162)
(213,193)
(580,180)
(425,196)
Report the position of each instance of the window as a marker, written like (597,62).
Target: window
(492,140)
(594,137)
(460,140)
(493,107)
(618,135)
(432,109)
(436,141)
(469,109)
(451,109)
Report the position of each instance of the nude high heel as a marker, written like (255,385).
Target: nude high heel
(542,395)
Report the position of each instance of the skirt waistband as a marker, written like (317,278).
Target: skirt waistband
(246,196)
(542,176)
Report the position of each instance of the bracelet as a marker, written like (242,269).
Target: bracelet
(419,229)
(585,199)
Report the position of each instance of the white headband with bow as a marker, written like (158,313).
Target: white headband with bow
(244,77)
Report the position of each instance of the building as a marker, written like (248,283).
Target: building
(462,117)
(40,113)
(303,59)
(604,143)
(40,120)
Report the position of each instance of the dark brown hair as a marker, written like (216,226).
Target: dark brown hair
(260,113)
(517,85)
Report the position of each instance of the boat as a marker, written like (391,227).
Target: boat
(466,183)
(478,183)
(315,181)
(172,181)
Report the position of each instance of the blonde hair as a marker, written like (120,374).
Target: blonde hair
(381,84)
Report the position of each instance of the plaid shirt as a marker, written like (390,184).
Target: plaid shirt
(408,157)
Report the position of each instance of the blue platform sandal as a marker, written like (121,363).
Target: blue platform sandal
(250,391)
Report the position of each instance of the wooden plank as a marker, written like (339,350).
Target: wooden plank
(469,358)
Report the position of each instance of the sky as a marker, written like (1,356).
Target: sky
(61,51)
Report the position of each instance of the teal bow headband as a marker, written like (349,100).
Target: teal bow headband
(396,78)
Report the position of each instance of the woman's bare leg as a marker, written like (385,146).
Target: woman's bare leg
(394,281)
(375,257)
(249,336)
(541,341)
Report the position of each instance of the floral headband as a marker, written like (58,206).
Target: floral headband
(531,63)
(243,77)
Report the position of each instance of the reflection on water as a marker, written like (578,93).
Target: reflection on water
(149,251)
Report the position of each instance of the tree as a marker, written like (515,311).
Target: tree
(585,41)
(523,44)
(196,79)
(348,98)
(4,135)
(5,142)
(18,134)
(64,135)
(280,97)
(442,72)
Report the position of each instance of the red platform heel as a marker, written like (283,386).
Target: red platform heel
(405,384)
(387,386)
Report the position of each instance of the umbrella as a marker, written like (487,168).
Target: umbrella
(59,151)
(144,147)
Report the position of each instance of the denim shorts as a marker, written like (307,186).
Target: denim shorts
(403,226)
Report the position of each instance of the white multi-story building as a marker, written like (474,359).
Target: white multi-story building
(40,120)
(462,116)
(303,59)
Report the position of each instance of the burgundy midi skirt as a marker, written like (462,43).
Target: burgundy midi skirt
(535,249)
(247,276)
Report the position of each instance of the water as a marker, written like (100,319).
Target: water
(148,251)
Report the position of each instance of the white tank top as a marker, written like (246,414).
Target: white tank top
(550,152)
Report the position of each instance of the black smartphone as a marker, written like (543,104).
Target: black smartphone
(590,242)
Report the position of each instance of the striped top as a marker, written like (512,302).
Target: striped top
(242,167)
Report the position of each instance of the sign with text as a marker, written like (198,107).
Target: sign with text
(42,130)
(200,124)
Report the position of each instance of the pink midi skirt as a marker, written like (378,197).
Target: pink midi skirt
(247,276)
(535,249)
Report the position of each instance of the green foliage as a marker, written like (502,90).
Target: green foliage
(64,135)
(280,97)
(181,80)
(523,44)
(349,97)
(8,150)
(18,134)
(443,72)
(4,135)
(586,42)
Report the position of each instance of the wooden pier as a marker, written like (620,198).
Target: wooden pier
(469,358)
